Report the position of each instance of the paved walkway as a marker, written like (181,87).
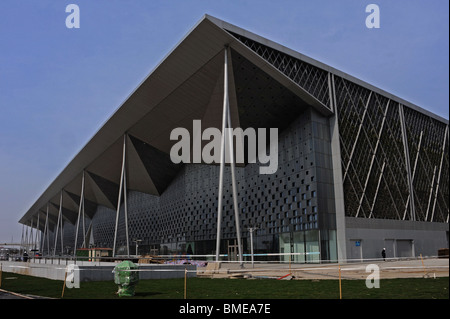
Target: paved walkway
(411,268)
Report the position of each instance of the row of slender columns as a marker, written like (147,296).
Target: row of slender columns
(30,241)
(226,138)
(45,240)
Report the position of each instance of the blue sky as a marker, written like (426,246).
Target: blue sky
(59,85)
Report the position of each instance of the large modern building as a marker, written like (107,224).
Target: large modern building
(358,169)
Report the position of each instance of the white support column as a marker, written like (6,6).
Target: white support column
(414,167)
(330,92)
(121,188)
(25,239)
(234,186)
(251,230)
(226,121)
(376,190)
(33,237)
(62,229)
(222,155)
(338,180)
(88,233)
(45,235)
(48,234)
(125,199)
(56,235)
(407,165)
(21,240)
(80,210)
(57,224)
(30,238)
(417,155)
(37,232)
(431,193)
(357,134)
(439,174)
(83,218)
(373,159)
(25,242)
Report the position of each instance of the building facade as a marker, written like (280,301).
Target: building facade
(359,169)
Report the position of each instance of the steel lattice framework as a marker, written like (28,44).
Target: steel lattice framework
(390,153)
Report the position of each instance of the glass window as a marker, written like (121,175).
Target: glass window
(312,246)
(299,247)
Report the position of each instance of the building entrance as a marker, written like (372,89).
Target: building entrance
(232,250)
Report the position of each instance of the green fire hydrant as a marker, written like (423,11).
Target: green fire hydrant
(126,276)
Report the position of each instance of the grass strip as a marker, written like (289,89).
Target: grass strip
(203,288)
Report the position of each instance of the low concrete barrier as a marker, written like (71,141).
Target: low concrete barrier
(96,271)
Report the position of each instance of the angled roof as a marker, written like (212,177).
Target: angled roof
(188,84)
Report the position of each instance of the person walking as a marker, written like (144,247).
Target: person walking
(25,256)
(383,254)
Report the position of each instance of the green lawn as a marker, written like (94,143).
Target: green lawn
(201,288)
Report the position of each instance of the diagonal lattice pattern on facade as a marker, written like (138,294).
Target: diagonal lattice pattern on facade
(307,76)
(373,157)
(428,151)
